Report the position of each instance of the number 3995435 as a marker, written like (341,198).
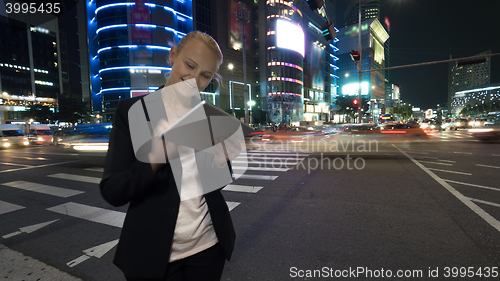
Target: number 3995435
(32,8)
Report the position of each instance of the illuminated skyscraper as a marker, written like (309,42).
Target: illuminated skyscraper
(129,43)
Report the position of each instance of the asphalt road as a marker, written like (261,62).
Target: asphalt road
(423,209)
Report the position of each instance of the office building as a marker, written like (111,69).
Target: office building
(30,66)
(467,77)
(373,37)
(129,43)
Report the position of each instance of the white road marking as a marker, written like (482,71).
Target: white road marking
(462,152)
(474,185)
(254,177)
(484,202)
(449,161)
(33,167)
(495,154)
(487,166)
(286,162)
(418,152)
(426,157)
(76,178)
(42,188)
(482,213)
(90,213)
(96,252)
(242,188)
(29,229)
(261,169)
(437,163)
(232,205)
(274,158)
(279,154)
(15,164)
(446,171)
(95,169)
(6,207)
(30,158)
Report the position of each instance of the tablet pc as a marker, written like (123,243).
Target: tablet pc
(203,126)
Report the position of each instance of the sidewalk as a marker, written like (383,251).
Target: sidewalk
(16,266)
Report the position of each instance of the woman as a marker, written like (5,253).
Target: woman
(163,237)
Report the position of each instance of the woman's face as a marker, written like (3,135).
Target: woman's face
(195,60)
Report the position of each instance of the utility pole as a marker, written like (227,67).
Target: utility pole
(360,104)
(243,18)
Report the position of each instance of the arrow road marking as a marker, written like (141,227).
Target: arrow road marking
(96,252)
(28,229)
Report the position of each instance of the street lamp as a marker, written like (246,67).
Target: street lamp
(231,96)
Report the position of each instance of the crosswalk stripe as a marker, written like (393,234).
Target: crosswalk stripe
(94,214)
(6,207)
(254,177)
(76,178)
(232,205)
(95,169)
(276,158)
(42,188)
(286,162)
(262,169)
(242,188)
(279,154)
(91,213)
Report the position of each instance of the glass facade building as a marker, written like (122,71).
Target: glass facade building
(129,43)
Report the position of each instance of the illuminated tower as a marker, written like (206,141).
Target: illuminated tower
(284,55)
(129,43)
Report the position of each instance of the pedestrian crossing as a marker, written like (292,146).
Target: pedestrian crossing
(247,170)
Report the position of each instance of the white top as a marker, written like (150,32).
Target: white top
(194,231)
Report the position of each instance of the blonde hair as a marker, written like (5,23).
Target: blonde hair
(209,42)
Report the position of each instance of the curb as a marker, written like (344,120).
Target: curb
(16,266)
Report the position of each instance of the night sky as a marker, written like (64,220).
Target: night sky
(431,30)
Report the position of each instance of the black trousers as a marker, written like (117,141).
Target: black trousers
(206,265)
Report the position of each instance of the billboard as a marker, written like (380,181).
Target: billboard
(352,89)
(289,36)
(235,32)
(318,68)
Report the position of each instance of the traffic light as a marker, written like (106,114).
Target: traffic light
(328,31)
(355,102)
(354,55)
(315,4)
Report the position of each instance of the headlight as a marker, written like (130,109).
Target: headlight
(477,123)
(40,139)
(457,124)
(433,126)
(424,125)
(471,123)
(6,144)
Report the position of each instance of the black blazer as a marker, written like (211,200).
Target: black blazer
(144,247)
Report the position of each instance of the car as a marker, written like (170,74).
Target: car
(404,130)
(12,136)
(40,134)
(291,134)
(460,123)
(488,132)
(63,136)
